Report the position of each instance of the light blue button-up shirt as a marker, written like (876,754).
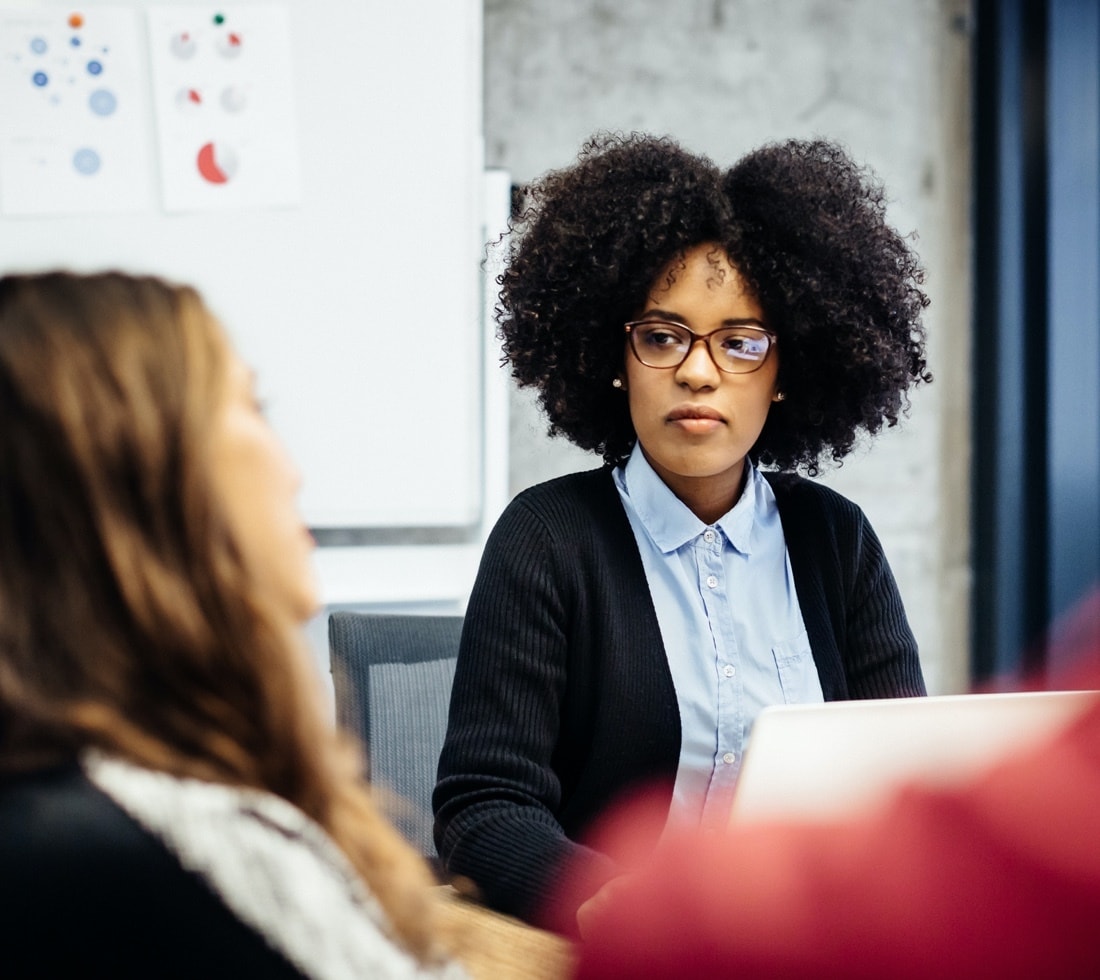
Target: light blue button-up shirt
(731,625)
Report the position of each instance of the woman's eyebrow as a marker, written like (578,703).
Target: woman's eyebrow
(664,315)
(733,321)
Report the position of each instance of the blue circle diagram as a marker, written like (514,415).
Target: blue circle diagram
(102,102)
(75,42)
(94,68)
(40,78)
(38,45)
(86,161)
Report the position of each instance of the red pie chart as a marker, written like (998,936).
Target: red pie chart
(217,163)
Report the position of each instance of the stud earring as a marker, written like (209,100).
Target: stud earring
(780,396)
(618,383)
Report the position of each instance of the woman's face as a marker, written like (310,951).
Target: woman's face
(258,486)
(695,423)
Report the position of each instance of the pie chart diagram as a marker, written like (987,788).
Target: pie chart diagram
(217,163)
(183,45)
(188,99)
(230,45)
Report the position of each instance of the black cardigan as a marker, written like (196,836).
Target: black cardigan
(563,698)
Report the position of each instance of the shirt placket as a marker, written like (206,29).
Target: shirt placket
(713,586)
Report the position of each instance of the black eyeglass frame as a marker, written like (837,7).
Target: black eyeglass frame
(695,338)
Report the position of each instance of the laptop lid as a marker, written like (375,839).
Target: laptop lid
(824,760)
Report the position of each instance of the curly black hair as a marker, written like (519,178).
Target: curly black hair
(800,220)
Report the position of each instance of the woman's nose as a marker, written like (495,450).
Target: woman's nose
(698,369)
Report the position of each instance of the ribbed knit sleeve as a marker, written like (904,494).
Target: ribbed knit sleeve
(882,657)
(498,795)
(562,700)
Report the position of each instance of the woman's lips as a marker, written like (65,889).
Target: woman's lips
(695,419)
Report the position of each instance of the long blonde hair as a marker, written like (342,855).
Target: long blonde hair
(128,620)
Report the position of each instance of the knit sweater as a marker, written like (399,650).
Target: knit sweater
(563,699)
(111,869)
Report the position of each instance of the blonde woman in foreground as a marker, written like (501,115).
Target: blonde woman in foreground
(172,800)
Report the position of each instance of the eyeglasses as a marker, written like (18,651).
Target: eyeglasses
(740,349)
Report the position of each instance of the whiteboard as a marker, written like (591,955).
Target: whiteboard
(359,307)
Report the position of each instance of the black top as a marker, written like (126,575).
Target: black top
(86,891)
(563,698)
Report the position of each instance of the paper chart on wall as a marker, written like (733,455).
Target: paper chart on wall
(224,101)
(73,112)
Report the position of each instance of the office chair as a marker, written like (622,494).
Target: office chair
(392,676)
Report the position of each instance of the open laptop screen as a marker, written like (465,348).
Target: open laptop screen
(824,760)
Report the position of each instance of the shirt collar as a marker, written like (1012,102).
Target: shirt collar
(670,523)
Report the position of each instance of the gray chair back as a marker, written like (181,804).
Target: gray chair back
(392,676)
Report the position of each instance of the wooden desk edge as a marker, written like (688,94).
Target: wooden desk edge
(502,947)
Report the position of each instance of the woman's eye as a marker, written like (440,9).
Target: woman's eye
(744,347)
(662,338)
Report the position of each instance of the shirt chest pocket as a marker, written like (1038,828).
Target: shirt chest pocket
(797,671)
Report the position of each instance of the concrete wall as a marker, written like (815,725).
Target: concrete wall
(890,79)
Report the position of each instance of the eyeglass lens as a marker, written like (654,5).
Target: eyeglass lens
(734,349)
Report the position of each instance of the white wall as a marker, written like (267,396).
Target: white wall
(890,79)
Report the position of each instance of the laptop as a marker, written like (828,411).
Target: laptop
(822,761)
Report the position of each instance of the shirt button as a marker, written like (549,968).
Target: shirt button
(708,536)
(729,758)
(712,581)
(728,670)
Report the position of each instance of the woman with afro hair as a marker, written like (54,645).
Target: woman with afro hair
(692,326)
